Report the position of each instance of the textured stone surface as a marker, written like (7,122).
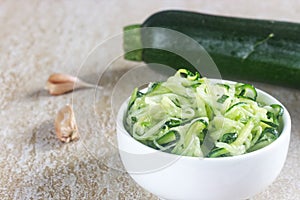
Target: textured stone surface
(38,38)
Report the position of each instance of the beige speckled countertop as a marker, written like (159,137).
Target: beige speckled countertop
(41,37)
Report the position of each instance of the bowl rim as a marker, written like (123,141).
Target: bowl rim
(286,130)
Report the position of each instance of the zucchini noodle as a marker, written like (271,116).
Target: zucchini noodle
(191,116)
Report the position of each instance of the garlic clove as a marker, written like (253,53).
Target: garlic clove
(58,89)
(65,125)
(58,84)
(62,78)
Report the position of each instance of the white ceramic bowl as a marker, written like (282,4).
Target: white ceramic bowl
(180,177)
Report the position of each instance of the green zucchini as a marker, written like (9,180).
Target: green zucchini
(246,91)
(217,152)
(229,137)
(169,138)
(248,49)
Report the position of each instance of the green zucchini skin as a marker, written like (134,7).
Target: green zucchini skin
(244,49)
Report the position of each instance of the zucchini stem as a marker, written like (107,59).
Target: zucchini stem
(132,42)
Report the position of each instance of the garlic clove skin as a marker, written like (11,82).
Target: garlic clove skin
(65,125)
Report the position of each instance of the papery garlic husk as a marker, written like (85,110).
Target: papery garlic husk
(65,125)
(58,84)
